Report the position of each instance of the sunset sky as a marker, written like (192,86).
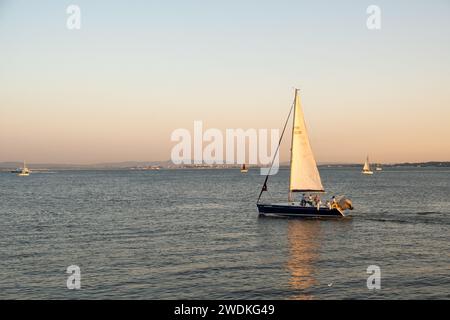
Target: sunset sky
(137,70)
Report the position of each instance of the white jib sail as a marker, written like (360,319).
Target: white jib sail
(304,173)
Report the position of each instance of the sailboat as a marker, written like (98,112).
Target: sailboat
(244,169)
(378,167)
(304,176)
(366,168)
(24,172)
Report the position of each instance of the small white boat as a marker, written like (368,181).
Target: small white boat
(244,169)
(366,168)
(25,172)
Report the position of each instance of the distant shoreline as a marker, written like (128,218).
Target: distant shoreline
(155,166)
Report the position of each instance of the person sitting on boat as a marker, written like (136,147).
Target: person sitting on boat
(310,200)
(317,201)
(334,203)
(303,200)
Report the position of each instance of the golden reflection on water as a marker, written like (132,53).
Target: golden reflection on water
(304,240)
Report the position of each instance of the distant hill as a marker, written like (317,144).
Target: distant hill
(443,164)
(6,166)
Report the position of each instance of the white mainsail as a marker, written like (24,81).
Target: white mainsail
(366,165)
(304,174)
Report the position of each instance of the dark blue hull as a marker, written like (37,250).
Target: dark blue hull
(288,210)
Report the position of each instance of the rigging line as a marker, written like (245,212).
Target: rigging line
(276,152)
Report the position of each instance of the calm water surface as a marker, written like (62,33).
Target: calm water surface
(195,234)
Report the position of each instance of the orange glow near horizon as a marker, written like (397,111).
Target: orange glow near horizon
(89,97)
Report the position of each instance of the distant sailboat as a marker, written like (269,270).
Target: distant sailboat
(366,168)
(378,168)
(24,172)
(244,169)
(304,176)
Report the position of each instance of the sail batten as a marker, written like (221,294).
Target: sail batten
(304,175)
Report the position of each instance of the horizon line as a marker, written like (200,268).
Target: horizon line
(170,162)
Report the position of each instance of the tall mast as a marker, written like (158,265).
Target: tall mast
(292,144)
